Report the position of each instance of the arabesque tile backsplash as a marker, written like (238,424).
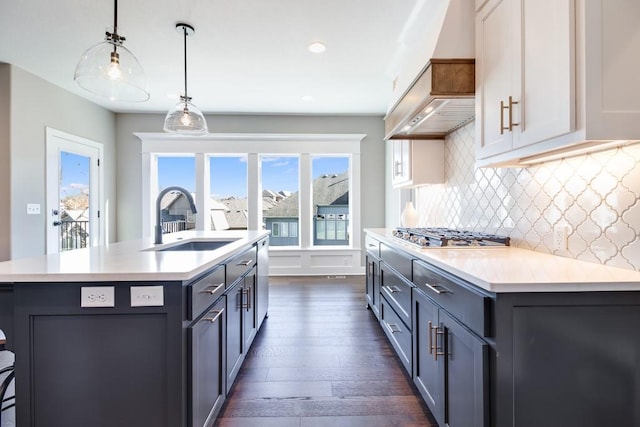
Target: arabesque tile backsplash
(596,195)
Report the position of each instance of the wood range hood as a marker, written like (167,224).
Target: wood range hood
(441,98)
(439,101)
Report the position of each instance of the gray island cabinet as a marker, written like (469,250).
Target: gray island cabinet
(504,337)
(165,353)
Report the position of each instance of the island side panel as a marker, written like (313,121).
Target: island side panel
(6,313)
(95,366)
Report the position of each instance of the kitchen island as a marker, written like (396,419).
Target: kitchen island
(134,334)
(501,336)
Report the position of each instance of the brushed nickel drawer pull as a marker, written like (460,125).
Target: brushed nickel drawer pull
(438,289)
(394,289)
(213,289)
(245,263)
(433,343)
(437,351)
(213,319)
(247,292)
(393,328)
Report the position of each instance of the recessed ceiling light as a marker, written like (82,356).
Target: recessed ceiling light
(307,98)
(317,47)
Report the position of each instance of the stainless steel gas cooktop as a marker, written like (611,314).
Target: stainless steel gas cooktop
(439,237)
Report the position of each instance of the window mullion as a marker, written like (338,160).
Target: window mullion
(306,214)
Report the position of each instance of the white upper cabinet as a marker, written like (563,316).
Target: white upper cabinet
(417,162)
(524,74)
(569,68)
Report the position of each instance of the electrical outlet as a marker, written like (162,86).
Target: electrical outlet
(147,296)
(97,296)
(33,209)
(560,232)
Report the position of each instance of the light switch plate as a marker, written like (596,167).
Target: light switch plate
(147,296)
(97,296)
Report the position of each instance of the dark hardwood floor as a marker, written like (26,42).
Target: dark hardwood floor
(321,359)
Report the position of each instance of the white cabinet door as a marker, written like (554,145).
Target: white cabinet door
(417,162)
(525,70)
(547,77)
(495,30)
(401,161)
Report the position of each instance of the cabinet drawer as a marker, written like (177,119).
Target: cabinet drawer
(399,262)
(399,335)
(372,246)
(204,292)
(240,265)
(397,291)
(470,307)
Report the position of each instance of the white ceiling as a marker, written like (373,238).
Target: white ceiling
(247,56)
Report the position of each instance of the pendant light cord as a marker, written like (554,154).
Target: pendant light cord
(115,16)
(186,97)
(115,26)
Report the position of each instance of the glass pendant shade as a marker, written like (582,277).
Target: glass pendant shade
(111,71)
(185,118)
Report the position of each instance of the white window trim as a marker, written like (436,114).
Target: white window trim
(254,145)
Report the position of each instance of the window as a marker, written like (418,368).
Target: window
(281,199)
(228,184)
(175,210)
(330,197)
(312,179)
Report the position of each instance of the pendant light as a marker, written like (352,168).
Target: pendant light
(110,70)
(185,118)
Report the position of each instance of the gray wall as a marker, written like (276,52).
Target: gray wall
(372,156)
(5,162)
(36,104)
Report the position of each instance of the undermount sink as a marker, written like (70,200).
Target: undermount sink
(198,245)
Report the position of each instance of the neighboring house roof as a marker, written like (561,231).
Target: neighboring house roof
(269,193)
(331,189)
(169,199)
(288,208)
(327,190)
(75,215)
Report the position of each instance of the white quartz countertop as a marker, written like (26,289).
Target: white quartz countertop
(510,269)
(133,260)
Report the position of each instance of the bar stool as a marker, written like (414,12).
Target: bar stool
(7,384)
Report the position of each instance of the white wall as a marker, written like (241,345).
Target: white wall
(36,104)
(129,180)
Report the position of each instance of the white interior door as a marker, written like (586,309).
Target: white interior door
(74,192)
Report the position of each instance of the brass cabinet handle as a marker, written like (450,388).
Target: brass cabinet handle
(398,169)
(212,289)
(245,263)
(508,107)
(511,104)
(217,313)
(502,127)
(438,289)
